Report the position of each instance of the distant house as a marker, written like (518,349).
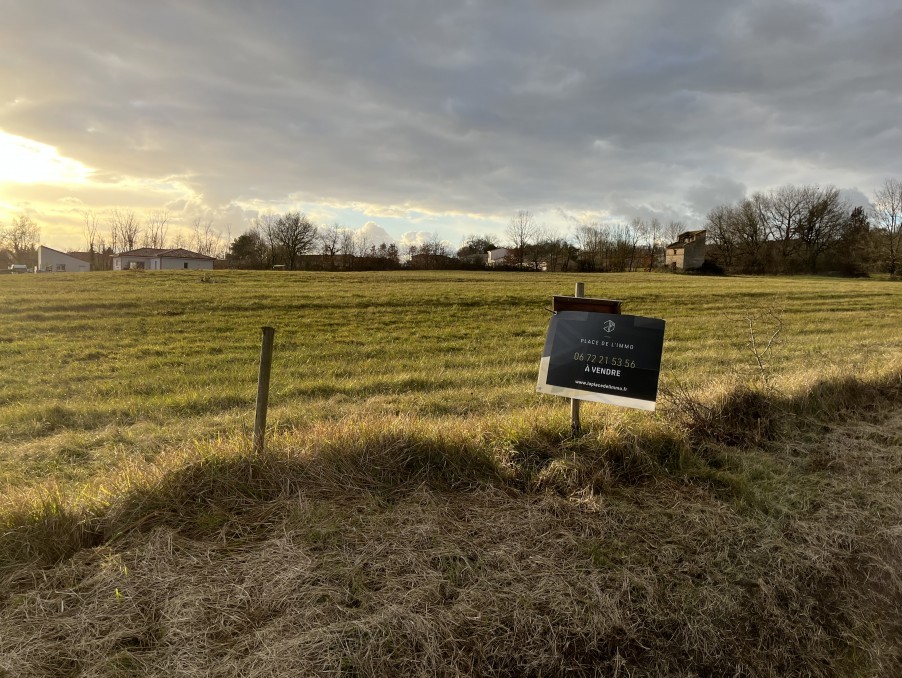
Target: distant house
(151,259)
(54,261)
(687,252)
(497,257)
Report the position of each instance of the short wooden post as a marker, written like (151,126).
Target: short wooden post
(574,403)
(263,389)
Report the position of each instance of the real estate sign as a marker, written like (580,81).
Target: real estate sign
(603,357)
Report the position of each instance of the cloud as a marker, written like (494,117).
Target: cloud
(373,234)
(27,161)
(855,198)
(418,238)
(453,108)
(713,191)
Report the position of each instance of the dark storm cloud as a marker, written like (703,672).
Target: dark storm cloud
(463,106)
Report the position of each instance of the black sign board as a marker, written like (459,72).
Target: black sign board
(603,357)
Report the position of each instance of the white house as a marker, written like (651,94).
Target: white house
(54,261)
(497,257)
(151,259)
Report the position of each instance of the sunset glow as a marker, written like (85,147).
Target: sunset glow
(24,161)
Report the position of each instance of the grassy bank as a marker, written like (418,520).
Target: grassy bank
(420,511)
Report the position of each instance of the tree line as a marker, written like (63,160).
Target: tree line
(788,230)
(294,242)
(808,229)
(791,229)
(594,247)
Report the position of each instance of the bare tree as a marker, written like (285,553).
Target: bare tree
(556,252)
(437,246)
(179,239)
(823,224)
(740,235)
(330,243)
(888,215)
(265,224)
(348,247)
(590,241)
(719,225)
(361,244)
(103,256)
(124,228)
(92,230)
(673,230)
(429,254)
(538,249)
(632,236)
(92,236)
(521,231)
(21,238)
(156,227)
(295,234)
(652,233)
(204,238)
(782,213)
(751,232)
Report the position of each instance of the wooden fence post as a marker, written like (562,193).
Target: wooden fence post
(574,403)
(263,389)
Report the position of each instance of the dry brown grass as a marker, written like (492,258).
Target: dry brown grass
(408,548)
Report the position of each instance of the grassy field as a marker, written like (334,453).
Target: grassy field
(421,509)
(100,368)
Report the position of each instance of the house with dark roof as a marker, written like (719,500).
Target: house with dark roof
(152,259)
(687,252)
(54,261)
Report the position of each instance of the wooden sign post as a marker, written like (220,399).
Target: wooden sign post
(269,334)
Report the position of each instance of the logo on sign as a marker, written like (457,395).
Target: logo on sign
(609,326)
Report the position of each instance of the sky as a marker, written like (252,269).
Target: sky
(414,118)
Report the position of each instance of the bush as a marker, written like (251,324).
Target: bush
(709,267)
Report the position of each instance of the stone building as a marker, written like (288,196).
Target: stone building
(687,252)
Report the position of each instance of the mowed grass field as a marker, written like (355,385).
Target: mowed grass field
(421,510)
(97,369)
